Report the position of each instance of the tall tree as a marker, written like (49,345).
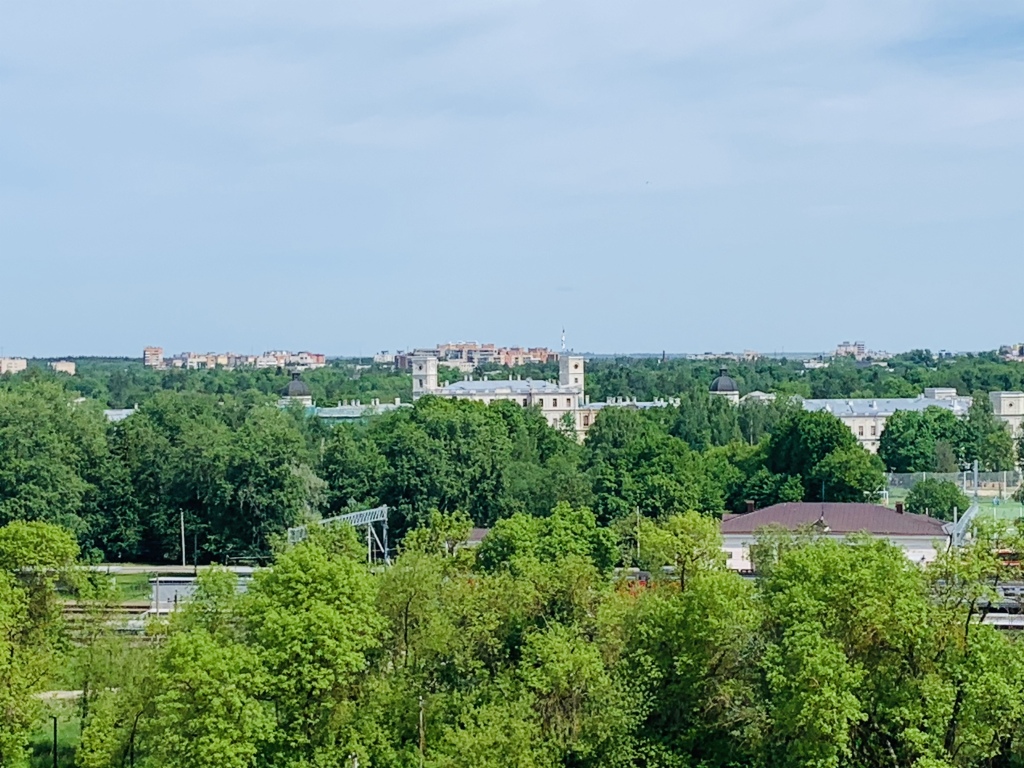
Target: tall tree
(988,440)
(919,441)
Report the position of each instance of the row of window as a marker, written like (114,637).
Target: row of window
(554,402)
(860,430)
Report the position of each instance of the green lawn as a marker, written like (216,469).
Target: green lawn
(133,586)
(1004,510)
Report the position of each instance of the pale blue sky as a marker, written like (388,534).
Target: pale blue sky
(351,176)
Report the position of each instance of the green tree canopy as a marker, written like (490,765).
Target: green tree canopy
(938,498)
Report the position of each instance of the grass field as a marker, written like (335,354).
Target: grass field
(133,586)
(1003,510)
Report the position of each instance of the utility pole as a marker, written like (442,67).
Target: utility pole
(183,563)
(54,718)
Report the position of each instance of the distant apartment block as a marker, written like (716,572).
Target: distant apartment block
(466,356)
(747,355)
(857,350)
(1012,352)
(12,365)
(153,357)
(63,366)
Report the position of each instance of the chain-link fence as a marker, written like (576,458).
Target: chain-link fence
(1000,484)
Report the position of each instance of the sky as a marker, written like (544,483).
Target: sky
(651,175)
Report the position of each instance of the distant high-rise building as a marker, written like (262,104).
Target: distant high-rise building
(63,366)
(856,350)
(153,357)
(12,365)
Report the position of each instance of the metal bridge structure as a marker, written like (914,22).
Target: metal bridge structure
(374,520)
(963,526)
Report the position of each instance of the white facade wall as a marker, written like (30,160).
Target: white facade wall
(918,549)
(553,400)
(12,365)
(63,366)
(867,429)
(1009,407)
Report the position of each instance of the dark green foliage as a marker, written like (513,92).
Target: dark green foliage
(820,450)
(987,440)
(212,445)
(934,440)
(923,441)
(937,498)
(447,455)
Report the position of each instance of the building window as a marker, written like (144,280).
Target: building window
(524,402)
(860,431)
(874,430)
(586,420)
(540,402)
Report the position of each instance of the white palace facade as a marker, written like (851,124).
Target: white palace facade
(563,403)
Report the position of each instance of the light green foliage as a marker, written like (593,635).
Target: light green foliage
(842,654)
(687,655)
(502,734)
(566,532)
(938,498)
(33,558)
(310,621)
(444,533)
(688,543)
(206,709)
(568,680)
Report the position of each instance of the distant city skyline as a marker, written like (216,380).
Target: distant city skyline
(650,176)
(169,352)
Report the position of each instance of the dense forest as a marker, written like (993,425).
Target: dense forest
(529,652)
(214,447)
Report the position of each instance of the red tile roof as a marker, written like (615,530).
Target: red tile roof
(840,518)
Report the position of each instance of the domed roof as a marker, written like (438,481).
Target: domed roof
(296,388)
(724,382)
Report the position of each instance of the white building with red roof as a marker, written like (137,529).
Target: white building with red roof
(921,537)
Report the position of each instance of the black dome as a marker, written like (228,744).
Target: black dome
(724,382)
(296,388)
